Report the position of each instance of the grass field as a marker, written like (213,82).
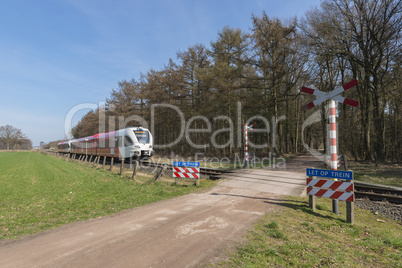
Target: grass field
(386,174)
(297,236)
(39,192)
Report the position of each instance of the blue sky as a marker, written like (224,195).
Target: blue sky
(56,54)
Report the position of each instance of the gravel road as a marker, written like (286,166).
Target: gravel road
(188,231)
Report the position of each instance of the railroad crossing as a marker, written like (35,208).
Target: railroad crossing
(332,97)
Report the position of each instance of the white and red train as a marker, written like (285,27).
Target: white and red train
(132,142)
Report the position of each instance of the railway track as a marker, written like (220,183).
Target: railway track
(378,192)
(204,171)
(362,190)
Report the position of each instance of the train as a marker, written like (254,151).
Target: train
(131,142)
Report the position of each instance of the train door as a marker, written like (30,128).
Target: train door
(127,146)
(124,143)
(111,142)
(120,143)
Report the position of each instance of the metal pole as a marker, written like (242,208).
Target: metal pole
(333,146)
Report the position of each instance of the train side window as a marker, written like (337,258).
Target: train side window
(128,141)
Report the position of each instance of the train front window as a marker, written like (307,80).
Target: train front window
(142,136)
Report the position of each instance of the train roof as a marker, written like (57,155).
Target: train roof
(105,135)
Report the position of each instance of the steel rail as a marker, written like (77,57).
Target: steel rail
(378,193)
(362,190)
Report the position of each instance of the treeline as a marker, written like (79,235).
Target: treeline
(256,77)
(12,138)
(21,144)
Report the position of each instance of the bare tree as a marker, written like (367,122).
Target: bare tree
(11,135)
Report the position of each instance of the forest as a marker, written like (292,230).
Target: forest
(199,102)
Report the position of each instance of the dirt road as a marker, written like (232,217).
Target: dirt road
(188,231)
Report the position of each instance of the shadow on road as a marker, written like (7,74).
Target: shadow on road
(287,203)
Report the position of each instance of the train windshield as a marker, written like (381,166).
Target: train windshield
(142,136)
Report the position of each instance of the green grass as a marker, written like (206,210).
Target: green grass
(297,236)
(386,174)
(39,192)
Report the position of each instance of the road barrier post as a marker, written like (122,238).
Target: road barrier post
(312,199)
(343,189)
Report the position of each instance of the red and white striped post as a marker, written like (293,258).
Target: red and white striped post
(333,146)
(246,145)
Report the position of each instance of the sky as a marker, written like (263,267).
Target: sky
(57,56)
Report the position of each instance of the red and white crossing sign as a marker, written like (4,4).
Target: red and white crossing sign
(336,195)
(333,95)
(186,172)
(330,184)
(337,190)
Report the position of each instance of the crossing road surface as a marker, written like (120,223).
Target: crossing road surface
(287,179)
(187,231)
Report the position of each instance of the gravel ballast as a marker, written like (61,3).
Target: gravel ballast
(392,211)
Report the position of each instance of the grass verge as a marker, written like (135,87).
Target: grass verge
(40,192)
(386,174)
(297,236)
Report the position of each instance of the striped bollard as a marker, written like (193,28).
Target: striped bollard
(333,146)
(246,145)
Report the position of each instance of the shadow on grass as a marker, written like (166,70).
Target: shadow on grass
(288,203)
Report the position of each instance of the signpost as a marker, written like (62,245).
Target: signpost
(334,174)
(186,164)
(189,170)
(336,190)
(332,96)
